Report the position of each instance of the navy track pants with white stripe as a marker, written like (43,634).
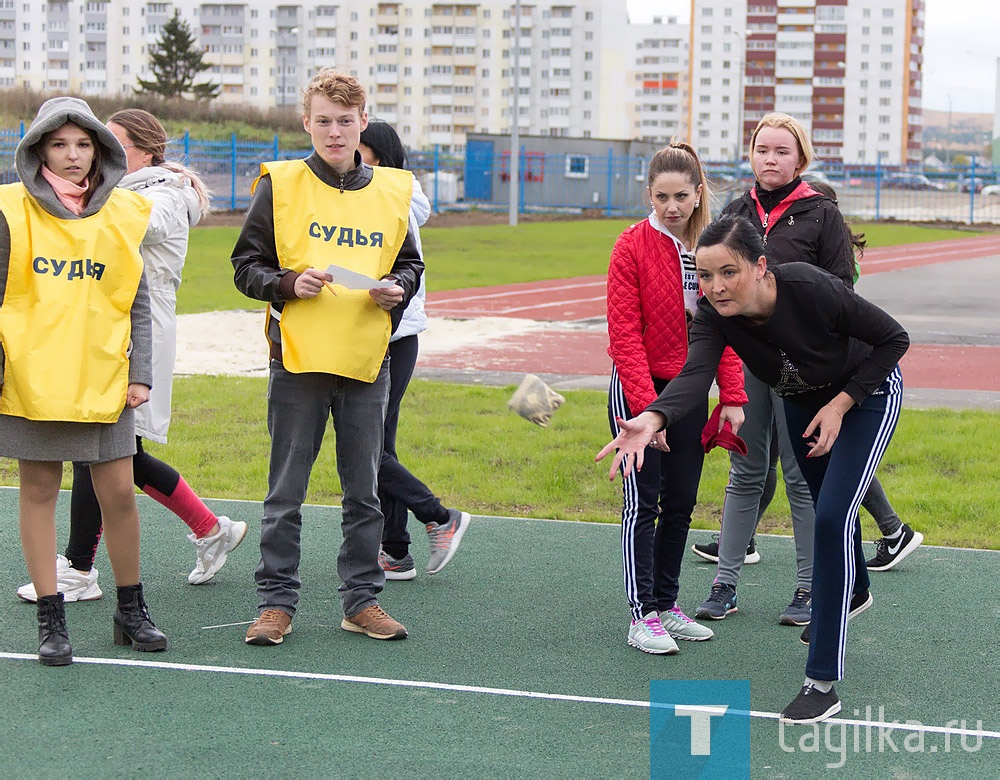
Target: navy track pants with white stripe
(657,506)
(838,482)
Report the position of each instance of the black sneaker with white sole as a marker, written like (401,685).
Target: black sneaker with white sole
(811,706)
(889,552)
(710,551)
(859,603)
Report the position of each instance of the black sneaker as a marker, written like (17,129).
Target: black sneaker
(811,706)
(799,611)
(859,603)
(889,552)
(710,551)
(721,601)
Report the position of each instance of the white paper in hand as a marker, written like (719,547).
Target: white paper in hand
(352,280)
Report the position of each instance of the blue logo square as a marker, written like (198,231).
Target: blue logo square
(699,728)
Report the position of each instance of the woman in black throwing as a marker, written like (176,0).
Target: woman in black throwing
(833,358)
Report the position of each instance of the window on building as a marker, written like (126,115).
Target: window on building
(577,166)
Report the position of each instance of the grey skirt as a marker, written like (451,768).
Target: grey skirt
(81,442)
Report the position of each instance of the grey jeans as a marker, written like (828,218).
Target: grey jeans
(747,475)
(297,409)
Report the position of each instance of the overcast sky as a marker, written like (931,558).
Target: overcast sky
(961,47)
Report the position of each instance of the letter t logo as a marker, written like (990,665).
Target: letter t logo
(701,725)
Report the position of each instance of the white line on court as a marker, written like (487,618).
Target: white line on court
(228,625)
(471,689)
(454,296)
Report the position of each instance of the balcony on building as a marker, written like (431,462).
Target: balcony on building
(560,62)
(387,12)
(440,138)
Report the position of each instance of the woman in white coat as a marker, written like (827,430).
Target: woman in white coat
(179,198)
(398,489)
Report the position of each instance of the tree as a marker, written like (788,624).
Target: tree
(176,60)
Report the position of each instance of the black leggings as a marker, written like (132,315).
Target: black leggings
(85,526)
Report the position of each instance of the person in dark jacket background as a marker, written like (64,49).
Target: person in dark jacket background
(798,224)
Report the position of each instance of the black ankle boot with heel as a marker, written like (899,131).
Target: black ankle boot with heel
(53,641)
(133,624)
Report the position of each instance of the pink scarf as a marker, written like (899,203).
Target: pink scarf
(70,195)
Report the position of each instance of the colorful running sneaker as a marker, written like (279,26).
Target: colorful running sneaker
(650,636)
(397,568)
(445,539)
(680,626)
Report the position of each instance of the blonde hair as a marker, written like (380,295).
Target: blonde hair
(682,158)
(789,123)
(336,87)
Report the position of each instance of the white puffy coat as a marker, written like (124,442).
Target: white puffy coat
(414,317)
(175,210)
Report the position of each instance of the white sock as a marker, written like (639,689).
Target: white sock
(823,686)
(893,537)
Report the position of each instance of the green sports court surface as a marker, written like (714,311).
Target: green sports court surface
(516,666)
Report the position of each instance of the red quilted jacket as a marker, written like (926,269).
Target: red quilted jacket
(647,324)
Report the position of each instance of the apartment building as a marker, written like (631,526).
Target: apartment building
(849,69)
(657,78)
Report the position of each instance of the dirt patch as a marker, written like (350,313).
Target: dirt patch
(223,219)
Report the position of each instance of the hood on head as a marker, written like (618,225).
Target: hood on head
(52,115)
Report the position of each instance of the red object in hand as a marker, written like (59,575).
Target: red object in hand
(711,436)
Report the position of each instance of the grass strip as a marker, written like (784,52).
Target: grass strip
(479,456)
(478,256)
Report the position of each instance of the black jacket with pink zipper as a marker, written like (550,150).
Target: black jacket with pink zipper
(805,227)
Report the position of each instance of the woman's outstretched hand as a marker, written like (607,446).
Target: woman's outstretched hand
(633,438)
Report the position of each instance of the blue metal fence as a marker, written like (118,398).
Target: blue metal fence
(601,184)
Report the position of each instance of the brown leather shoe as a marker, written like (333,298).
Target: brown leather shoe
(374,622)
(270,628)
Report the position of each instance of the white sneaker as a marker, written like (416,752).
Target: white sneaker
(680,626)
(213,550)
(649,636)
(73,584)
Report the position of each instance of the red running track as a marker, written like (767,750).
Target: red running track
(566,346)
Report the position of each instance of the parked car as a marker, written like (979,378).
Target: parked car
(991,189)
(816,176)
(964,182)
(910,181)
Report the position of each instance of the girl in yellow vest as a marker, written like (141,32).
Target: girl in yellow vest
(75,332)
(179,199)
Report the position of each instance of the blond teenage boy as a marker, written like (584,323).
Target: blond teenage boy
(327,345)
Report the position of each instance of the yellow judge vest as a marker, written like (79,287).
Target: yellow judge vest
(316,226)
(65,320)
